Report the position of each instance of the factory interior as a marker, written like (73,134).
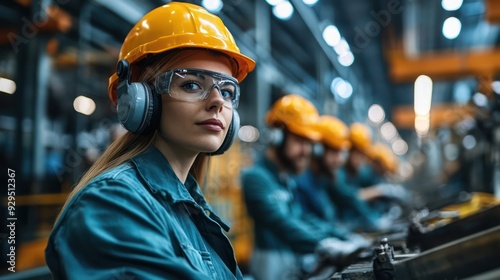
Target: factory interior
(422,75)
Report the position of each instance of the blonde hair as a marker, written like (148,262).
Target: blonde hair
(129,145)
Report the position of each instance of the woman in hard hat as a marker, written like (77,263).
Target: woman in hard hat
(139,212)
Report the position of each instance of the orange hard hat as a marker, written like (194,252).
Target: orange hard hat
(179,25)
(334,132)
(297,114)
(361,137)
(383,155)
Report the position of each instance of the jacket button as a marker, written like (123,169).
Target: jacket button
(207,212)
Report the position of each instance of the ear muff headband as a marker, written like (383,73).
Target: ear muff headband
(138,106)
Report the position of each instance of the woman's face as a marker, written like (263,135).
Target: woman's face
(198,126)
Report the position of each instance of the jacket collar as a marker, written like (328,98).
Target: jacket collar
(283,178)
(159,176)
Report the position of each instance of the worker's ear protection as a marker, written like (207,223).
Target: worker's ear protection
(318,149)
(232,131)
(139,107)
(276,136)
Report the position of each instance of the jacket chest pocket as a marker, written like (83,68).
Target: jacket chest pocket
(201,260)
(191,240)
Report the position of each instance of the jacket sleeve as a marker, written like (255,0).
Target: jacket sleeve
(347,197)
(330,228)
(112,231)
(266,207)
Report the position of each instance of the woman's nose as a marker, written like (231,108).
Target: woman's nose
(215,99)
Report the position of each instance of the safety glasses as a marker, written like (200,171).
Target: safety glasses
(193,85)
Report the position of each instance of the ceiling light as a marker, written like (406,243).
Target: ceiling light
(343,89)
(399,147)
(342,47)
(248,133)
(422,124)
(331,35)
(8,86)
(84,105)
(423,95)
(213,6)
(388,131)
(451,28)
(310,2)
(283,10)
(451,5)
(274,2)
(346,59)
(376,113)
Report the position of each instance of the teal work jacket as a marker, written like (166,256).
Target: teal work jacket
(355,213)
(138,221)
(315,195)
(276,212)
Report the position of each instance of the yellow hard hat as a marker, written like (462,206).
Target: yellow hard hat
(334,132)
(360,137)
(382,154)
(179,25)
(297,114)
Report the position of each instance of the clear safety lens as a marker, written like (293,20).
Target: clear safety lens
(196,84)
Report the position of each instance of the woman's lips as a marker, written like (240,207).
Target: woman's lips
(212,124)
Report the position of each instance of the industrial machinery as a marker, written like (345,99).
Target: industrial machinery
(456,241)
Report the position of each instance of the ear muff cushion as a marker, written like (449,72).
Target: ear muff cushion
(154,113)
(231,134)
(318,149)
(139,110)
(277,136)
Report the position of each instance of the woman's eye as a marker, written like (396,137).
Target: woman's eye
(226,94)
(191,86)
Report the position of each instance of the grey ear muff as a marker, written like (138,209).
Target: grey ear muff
(138,107)
(231,134)
(277,136)
(318,149)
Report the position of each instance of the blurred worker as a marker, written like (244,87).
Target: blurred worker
(317,185)
(385,164)
(356,213)
(384,161)
(282,237)
(138,212)
(328,155)
(358,169)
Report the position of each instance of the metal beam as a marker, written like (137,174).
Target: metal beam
(492,11)
(403,117)
(443,65)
